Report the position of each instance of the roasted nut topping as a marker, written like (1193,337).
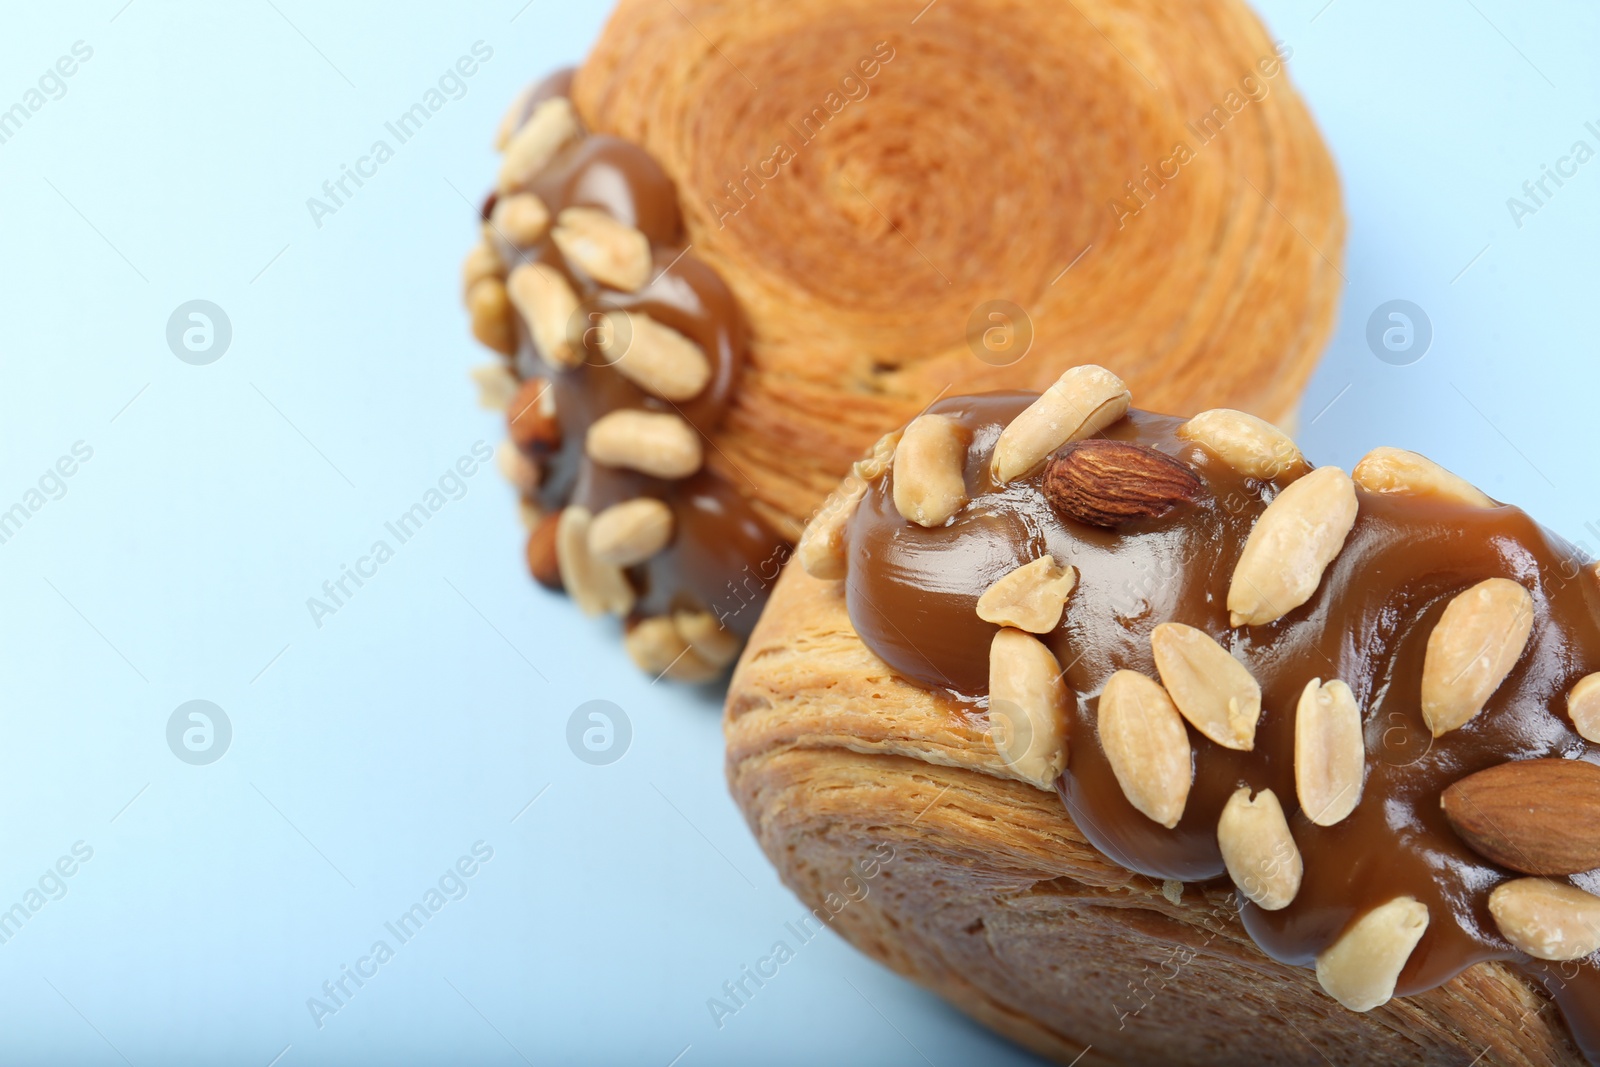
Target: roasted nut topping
(1476,642)
(1110,483)
(608,251)
(1259,850)
(1537,816)
(1029,598)
(1027,707)
(1548,920)
(1394,470)
(1329,752)
(1249,445)
(1292,544)
(547,304)
(1213,690)
(1081,403)
(1146,745)
(1361,968)
(929,484)
(631,532)
(531,418)
(656,443)
(552,124)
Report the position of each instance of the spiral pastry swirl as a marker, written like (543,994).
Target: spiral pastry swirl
(810,219)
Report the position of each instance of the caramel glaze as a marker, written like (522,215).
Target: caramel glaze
(723,556)
(912,595)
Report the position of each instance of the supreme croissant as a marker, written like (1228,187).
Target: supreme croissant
(1127,693)
(742,239)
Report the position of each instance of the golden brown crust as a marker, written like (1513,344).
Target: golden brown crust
(996,902)
(984,158)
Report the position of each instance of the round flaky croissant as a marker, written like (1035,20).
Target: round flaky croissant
(743,238)
(995,900)
(1136,180)
(1074,668)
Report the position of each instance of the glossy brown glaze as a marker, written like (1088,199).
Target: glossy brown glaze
(912,594)
(723,556)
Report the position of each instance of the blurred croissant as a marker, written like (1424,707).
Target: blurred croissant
(912,198)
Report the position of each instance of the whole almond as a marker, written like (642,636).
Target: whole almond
(1546,919)
(1027,707)
(1147,746)
(1079,404)
(531,418)
(1109,483)
(542,561)
(1360,969)
(1472,648)
(1329,752)
(1212,690)
(1251,446)
(1289,547)
(1394,470)
(1537,816)
(1258,849)
(1031,597)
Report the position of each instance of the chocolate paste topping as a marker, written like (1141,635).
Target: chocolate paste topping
(723,556)
(912,594)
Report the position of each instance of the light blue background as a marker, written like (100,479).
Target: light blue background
(423,717)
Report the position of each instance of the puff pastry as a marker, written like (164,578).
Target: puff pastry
(786,225)
(1267,763)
